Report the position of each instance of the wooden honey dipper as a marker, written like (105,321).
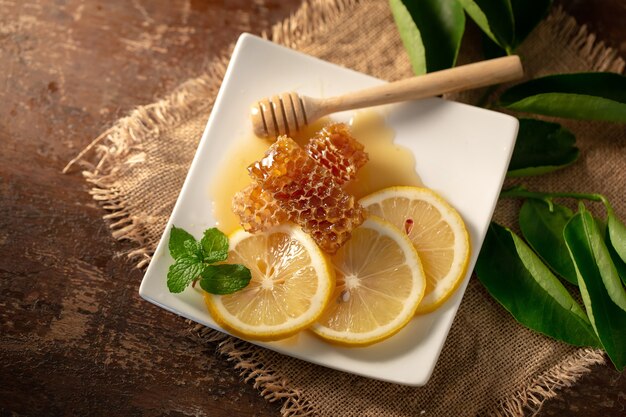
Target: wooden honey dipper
(287,113)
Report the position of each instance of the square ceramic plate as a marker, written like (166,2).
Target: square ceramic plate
(461,151)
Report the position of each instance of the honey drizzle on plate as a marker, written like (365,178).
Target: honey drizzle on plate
(389,164)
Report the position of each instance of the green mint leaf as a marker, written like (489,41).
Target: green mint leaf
(194,249)
(214,246)
(178,239)
(225,278)
(183,272)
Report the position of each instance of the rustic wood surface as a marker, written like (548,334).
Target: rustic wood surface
(75,338)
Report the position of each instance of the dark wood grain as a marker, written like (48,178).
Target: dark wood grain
(75,339)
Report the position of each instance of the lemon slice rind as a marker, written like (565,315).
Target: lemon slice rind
(448,284)
(353,339)
(263,332)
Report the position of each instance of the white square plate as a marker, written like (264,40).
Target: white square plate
(461,151)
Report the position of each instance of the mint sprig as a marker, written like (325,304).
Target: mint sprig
(225,278)
(194,260)
(214,245)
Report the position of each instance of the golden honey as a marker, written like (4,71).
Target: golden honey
(389,164)
(308,193)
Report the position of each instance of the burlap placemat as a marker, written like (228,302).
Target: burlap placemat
(490,365)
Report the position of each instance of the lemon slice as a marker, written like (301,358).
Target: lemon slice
(380,282)
(437,232)
(290,286)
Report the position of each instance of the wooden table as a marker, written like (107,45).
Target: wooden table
(75,338)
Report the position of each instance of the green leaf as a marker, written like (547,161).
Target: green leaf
(410,35)
(495,18)
(527,15)
(193,248)
(617,234)
(225,278)
(431,31)
(607,318)
(616,243)
(586,96)
(600,254)
(214,245)
(178,239)
(518,280)
(620,265)
(183,272)
(542,147)
(491,49)
(542,228)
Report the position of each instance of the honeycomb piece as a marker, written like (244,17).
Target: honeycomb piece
(336,149)
(308,194)
(333,147)
(257,209)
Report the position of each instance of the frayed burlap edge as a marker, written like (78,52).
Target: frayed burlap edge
(546,385)
(595,52)
(122,143)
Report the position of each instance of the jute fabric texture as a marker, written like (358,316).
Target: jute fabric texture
(490,365)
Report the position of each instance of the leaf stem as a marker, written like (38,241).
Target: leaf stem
(520,192)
